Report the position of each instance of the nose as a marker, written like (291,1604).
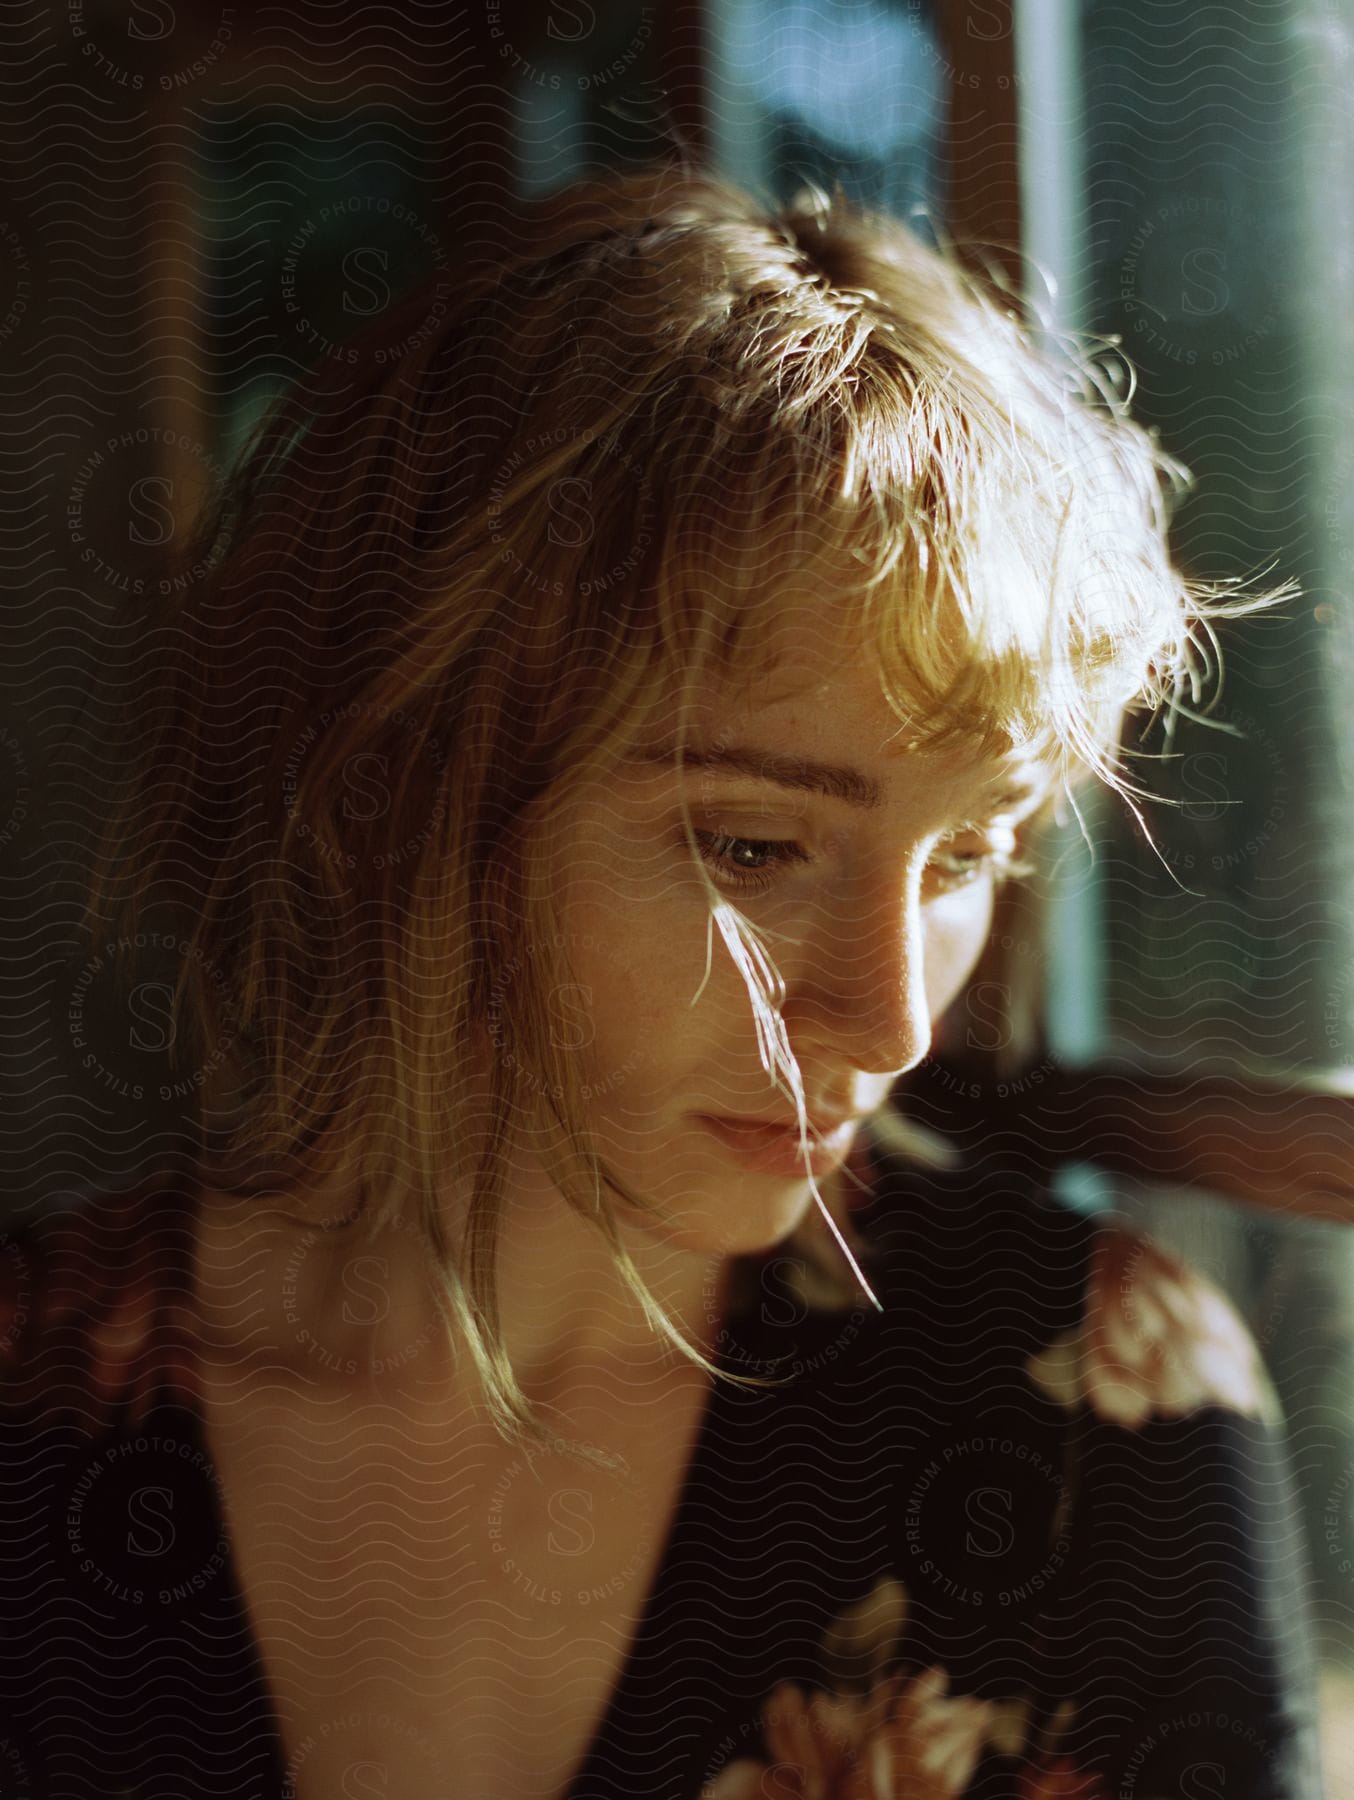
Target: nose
(860,986)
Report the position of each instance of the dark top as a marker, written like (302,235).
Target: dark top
(1053,1468)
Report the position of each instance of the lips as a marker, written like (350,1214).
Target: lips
(822,1127)
(774,1149)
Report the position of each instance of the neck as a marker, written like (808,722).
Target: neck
(337,1302)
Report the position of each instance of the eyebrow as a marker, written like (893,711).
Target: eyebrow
(835,781)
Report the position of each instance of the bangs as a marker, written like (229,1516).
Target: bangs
(994,542)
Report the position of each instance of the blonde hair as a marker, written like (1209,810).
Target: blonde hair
(744,397)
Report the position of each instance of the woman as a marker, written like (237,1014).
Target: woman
(554,1379)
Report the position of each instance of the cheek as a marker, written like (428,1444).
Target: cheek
(635,980)
(635,922)
(955,935)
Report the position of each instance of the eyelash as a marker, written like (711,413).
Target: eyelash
(1004,865)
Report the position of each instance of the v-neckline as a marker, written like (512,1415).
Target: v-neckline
(610,1716)
(610,1720)
(611,1713)
(708,1432)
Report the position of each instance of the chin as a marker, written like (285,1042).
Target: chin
(715,1205)
(739,1216)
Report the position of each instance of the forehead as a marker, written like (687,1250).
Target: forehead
(825,726)
(812,679)
(813,643)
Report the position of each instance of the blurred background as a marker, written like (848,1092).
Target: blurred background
(199,201)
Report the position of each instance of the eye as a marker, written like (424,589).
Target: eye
(752,864)
(960,868)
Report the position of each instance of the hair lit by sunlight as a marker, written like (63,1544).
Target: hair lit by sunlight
(758,402)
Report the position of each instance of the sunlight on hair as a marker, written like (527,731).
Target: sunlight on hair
(758,402)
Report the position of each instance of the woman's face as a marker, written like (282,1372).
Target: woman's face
(869,874)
